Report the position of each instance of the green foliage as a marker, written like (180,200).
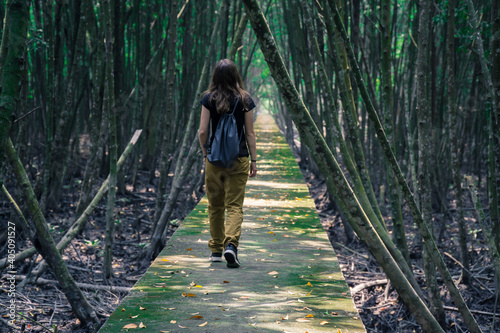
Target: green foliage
(93,243)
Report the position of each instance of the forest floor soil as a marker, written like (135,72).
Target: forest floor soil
(378,305)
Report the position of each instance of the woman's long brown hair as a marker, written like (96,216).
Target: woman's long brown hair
(226,82)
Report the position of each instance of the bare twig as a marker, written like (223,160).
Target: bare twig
(25,115)
(475,278)
(362,286)
(450,308)
(41,281)
(182,9)
(352,251)
(32,320)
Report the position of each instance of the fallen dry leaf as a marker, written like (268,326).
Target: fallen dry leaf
(310,316)
(141,308)
(189,249)
(273,273)
(204,324)
(284,318)
(173,321)
(130,326)
(165,260)
(182,326)
(309,284)
(244,297)
(141,325)
(133,317)
(123,309)
(324,322)
(196,317)
(188,295)
(302,320)
(225,281)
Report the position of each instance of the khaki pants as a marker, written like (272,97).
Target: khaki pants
(225,192)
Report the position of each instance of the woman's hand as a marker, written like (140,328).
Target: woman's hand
(253,169)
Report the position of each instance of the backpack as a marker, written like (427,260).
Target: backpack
(225,147)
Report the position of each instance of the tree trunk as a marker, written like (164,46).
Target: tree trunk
(495,76)
(46,246)
(343,81)
(109,103)
(425,192)
(236,44)
(63,130)
(388,116)
(49,130)
(170,106)
(453,132)
(78,226)
(493,122)
(183,163)
(12,58)
(329,167)
(331,116)
(429,243)
(98,123)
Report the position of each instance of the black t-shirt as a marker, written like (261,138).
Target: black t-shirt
(238,114)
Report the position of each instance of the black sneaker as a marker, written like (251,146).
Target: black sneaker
(215,257)
(231,255)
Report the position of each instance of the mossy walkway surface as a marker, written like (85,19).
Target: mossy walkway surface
(289,280)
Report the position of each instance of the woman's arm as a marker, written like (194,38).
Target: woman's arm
(203,131)
(250,136)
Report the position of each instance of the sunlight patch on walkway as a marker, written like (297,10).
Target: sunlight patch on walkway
(275,185)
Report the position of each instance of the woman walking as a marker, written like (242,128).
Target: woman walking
(226,186)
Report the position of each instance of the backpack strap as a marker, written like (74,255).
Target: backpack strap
(243,128)
(235,104)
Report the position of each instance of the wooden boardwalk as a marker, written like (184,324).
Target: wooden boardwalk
(289,281)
